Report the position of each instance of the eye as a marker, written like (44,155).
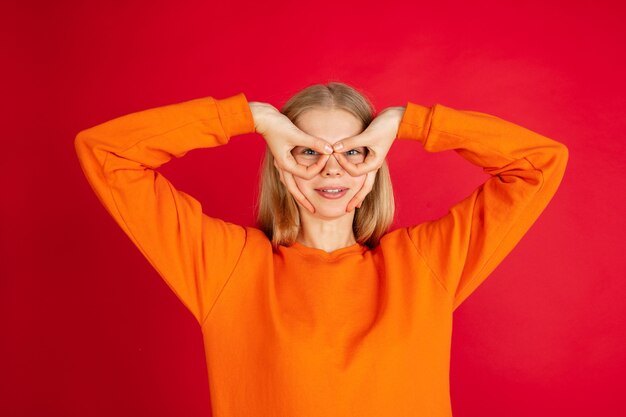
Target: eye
(357,151)
(302,152)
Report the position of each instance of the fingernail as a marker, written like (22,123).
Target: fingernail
(328,149)
(338,146)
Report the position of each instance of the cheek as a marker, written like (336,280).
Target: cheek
(302,184)
(359,181)
(304,160)
(357,185)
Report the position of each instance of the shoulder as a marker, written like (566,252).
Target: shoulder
(397,239)
(256,239)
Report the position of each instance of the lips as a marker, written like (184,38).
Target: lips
(332,187)
(332,195)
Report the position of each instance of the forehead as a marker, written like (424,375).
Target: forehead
(331,125)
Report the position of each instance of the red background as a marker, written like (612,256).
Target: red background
(88,327)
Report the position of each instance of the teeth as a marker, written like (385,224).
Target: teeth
(331,191)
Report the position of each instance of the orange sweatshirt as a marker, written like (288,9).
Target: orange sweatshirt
(300,332)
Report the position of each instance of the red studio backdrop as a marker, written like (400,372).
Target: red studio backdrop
(90,329)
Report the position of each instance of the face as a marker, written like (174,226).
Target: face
(332,125)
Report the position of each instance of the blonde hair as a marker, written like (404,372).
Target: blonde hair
(278,216)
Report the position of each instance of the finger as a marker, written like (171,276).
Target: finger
(313,142)
(304,171)
(318,166)
(370,163)
(280,173)
(287,179)
(301,138)
(352,142)
(295,191)
(345,164)
(358,198)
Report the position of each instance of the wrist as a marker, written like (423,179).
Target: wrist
(256,115)
(260,111)
(395,115)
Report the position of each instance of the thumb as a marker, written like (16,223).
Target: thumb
(351,142)
(315,143)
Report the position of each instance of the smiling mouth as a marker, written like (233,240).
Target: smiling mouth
(332,193)
(331,190)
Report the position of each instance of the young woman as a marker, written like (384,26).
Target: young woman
(321,311)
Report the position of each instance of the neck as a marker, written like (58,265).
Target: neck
(326,234)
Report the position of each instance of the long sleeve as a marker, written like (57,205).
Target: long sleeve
(192,252)
(464,246)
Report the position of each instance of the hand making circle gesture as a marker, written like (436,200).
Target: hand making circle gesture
(378,138)
(282,136)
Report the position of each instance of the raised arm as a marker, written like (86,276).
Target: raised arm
(464,246)
(192,252)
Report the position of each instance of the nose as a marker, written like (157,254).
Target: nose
(332,168)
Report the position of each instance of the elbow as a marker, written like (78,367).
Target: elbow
(85,144)
(563,151)
(91,155)
(80,143)
(555,165)
(562,155)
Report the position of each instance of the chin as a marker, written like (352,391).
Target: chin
(334,212)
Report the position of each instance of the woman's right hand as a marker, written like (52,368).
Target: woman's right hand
(282,136)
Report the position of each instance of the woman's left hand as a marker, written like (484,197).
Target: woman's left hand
(378,138)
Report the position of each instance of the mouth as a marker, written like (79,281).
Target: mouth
(332,193)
